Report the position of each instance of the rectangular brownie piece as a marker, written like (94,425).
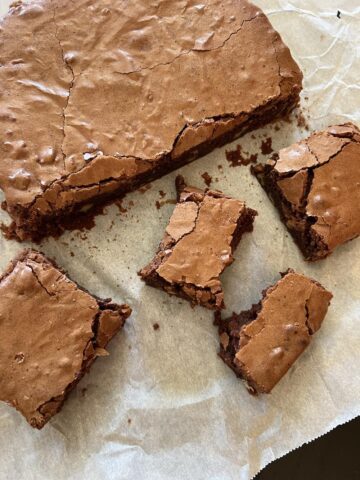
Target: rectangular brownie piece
(261,344)
(203,232)
(315,184)
(94,113)
(51,331)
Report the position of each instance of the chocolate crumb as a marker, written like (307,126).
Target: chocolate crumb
(83,391)
(72,254)
(301,121)
(156,326)
(277,128)
(266,146)
(207,178)
(120,206)
(129,421)
(171,201)
(237,157)
(220,168)
(145,188)
(338,14)
(162,194)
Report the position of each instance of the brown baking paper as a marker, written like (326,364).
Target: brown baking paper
(163,405)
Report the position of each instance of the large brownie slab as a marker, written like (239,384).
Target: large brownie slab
(51,331)
(99,97)
(315,184)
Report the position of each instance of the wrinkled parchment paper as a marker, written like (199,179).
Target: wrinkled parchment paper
(163,405)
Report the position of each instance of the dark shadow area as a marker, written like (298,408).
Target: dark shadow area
(332,457)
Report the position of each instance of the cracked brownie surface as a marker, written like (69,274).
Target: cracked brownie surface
(103,96)
(261,344)
(203,232)
(51,331)
(315,184)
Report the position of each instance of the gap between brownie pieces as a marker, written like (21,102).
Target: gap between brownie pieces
(28,224)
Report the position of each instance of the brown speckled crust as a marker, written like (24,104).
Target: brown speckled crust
(51,331)
(315,184)
(261,344)
(112,95)
(203,232)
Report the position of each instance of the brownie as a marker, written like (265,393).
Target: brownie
(315,185)
(203,232)
(261,344)
(93,113)
(51,331)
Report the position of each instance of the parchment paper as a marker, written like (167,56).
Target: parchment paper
(163,405)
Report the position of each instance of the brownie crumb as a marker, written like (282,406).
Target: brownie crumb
(338,14)
(207,179)
(266,146)
(145,188)
(156,326)
(162,194)
(72,254)
(160,204)
(220,168)
(120,206)
(237,157)
(301,121)
(277,128)
(129,421)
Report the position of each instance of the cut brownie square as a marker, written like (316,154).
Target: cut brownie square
(93,113)
(261,344)
(51,331)
(204,230)
(315,184)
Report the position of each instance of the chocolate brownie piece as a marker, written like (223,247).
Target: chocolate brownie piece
(315,184)
(261,344)
(91,113)
(203,232)
(51,331)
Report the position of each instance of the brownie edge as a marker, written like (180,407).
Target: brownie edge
(51,331)
(261,344)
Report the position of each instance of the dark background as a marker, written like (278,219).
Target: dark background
(336,456)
